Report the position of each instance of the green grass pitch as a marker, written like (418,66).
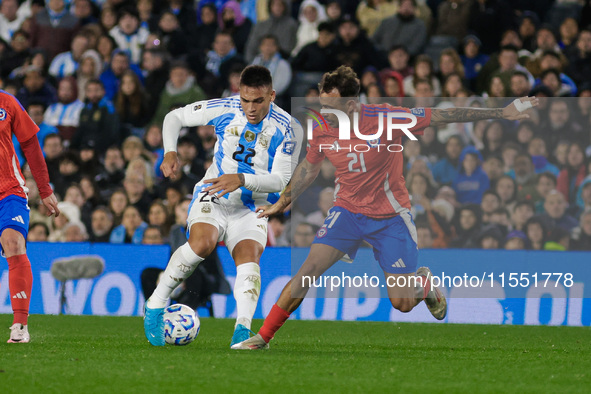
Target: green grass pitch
(88,354)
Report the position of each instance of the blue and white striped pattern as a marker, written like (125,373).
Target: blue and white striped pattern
(236,138)
(60,114)
(63,65)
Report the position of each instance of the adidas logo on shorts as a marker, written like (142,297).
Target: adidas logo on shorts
(19,219)
(399,264)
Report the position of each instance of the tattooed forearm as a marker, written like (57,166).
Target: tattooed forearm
(303,176)
(453,115)
(241,177)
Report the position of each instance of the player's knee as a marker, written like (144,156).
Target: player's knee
(404,305)
(13,243)
(202,246)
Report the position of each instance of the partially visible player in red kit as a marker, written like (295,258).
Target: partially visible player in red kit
(14,211)
(371,200)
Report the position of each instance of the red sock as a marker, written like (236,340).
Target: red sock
(20,282)
(426,283)
(273,322)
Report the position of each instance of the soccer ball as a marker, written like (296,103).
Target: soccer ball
(181,325)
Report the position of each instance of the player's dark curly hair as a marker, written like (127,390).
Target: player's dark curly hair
(343,79)
(256,77)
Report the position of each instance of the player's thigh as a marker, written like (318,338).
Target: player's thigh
(206,222)
(243,225)
(342,230)
(395,244)
(14,225)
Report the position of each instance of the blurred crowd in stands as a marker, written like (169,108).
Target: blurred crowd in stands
(98,77)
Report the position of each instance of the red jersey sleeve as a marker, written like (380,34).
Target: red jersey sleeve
(313,154)
(22,125)
(423,116)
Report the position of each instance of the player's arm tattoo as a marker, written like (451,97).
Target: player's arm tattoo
(241,177)
(453,115)
(303,176)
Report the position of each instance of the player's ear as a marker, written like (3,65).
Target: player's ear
(351,106)
(273,95)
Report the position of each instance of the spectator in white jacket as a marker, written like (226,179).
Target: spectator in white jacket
(311,14)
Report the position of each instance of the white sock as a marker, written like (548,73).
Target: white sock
(246,292)
(181,265)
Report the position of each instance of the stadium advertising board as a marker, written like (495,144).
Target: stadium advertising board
(500,287)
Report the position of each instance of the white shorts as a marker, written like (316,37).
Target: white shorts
(234,223)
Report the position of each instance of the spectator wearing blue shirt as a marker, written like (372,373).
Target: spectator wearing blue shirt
(471,181)
(472,60)
(111,77)
(446,169)
(131,230)
(539,154)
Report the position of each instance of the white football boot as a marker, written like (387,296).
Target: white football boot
(19,334)
(253,343)
(435,299)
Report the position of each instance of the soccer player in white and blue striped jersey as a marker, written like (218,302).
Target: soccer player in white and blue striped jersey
(256,151)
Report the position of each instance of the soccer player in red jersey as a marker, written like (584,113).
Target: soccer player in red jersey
(372,202)
(14,211)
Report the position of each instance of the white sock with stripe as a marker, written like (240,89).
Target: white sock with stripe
(181,265)
(246,292)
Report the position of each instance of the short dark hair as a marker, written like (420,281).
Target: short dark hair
(550,52)
(550,71)
(103,209)
(525,155)
(397,47)
(327,26)
(501,211)
(492,193)
(343,79)
(511,48)
(519,73)
(37,103)
(523,203)
(128,10)
(22,33)
(511,145)
(417,81)
(269,37)
(546,174)
(40,224)
(256,77)
(95,81)
(50,136)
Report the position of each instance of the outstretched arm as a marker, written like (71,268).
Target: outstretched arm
(195,114)
(303,176)
(514,111)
